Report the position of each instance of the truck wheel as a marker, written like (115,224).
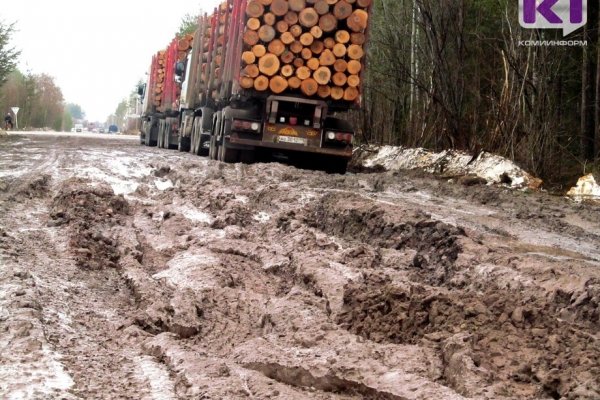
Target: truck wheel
(214,144)
(336,166)
(202,151)
(167,135)
(159,141)
(226,153)
(194,136)
(184,144)
(152,132)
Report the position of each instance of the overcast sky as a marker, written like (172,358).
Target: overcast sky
(95,50)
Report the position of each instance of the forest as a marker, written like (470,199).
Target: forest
(454,74)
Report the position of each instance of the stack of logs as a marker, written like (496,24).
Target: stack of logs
(184,46)
(213,51)
(315,46)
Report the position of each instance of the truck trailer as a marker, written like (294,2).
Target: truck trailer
(262,76)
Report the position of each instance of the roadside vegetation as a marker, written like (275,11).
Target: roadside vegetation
(452,74)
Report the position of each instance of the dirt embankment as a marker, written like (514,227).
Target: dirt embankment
(264,281)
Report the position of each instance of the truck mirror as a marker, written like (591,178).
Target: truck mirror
(141,89)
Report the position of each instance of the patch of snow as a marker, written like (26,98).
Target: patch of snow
(119,185)
(13,173)
(196,215)
(163,184)
(262,217)
(586,189)
(45,376)
(242,199)
(157,377)
(493,168)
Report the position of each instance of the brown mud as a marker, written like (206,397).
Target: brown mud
(137,273)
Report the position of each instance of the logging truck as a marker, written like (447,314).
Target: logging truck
(261,75)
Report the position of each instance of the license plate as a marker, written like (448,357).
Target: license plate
(291,139)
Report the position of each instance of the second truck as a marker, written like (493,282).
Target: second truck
(261,76)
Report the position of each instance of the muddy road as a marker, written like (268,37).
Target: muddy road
(132,272)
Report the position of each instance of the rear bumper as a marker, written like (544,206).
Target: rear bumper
(249,143)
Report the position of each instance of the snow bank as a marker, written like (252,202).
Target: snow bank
(587,189)
(491,167)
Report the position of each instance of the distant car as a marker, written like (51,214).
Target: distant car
(78,128)
(113,129)
(101,130)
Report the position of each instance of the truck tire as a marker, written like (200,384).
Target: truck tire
(161,127)
(167,135)
(194,137)
(151,132)
(184,144)
(214,145)
(336,165)
(226,153)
